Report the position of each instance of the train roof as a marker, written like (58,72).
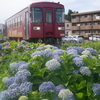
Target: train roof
(41,5)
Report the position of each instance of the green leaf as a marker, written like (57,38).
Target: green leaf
(81,85)
(89,88)
(37,81)
(79,95)
(57,80)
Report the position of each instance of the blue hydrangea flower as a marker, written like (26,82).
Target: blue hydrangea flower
(20,79)
(20,63)
(3,95)
(79,49)
(12,86)
(58,58)
(23,72)
(0,45)
(9,81)
(65,94)
(72,51)
(47,52)
(96,88)
(46,86)
(75,72)
(4,48)
(36,53)
(23,66)
(12,93)
(24,42)
(25,88)
(85,71)
(58,88)
(52,64)
(78,61)
(94,52)
(13,66)
(27,49)
(58,52)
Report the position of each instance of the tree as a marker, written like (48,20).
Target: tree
(71,12)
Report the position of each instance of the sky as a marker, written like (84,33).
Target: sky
(10,7)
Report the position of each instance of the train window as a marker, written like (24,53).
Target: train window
(36,15)
(60,15)
(15,22)
(20,20)
(48,17)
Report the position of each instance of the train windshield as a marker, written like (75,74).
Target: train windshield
(60,15)
(36,14)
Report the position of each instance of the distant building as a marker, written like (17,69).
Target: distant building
(68,26)
(86,24)
(2,28)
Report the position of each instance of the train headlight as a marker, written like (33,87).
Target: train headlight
(36,28)
(61,28)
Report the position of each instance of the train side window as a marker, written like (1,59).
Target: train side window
(20,20)
(15,22)
(48,17)
(36,15)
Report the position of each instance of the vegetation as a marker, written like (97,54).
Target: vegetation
(30,71)
(71,12)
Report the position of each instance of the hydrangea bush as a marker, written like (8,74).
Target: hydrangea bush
(44,72)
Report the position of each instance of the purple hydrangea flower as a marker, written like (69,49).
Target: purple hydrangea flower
(46,86)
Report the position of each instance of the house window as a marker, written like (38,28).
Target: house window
(67,25)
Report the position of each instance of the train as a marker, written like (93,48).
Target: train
(39,21)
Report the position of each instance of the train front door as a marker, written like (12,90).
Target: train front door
(48,22)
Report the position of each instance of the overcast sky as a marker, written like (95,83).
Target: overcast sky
(10,7)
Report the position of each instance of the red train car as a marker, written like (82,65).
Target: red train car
(40,20)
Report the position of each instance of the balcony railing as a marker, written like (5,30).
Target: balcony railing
(96,26)
(75,27)
(87,19)
(86,27)
(75,20)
